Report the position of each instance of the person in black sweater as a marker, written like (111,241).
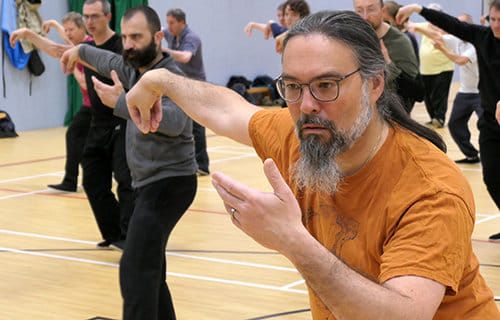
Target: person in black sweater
(104,154)
(486,40)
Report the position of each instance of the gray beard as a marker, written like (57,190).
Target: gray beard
(317,168)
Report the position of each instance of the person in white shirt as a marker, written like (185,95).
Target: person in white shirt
(467,100)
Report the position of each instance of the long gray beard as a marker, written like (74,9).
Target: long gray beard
(317,168)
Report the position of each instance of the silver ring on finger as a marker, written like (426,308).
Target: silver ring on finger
(233,211)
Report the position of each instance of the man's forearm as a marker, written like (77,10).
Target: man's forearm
(218,108)
(347,294)
(51,48)
(179,56)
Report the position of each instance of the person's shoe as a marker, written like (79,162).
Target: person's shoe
(117,245)
(66,187)
(103,244)
(202,173)
(495,237)
(437,123)
(469,160)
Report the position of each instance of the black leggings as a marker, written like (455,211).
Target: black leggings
(159,206)
(489,147)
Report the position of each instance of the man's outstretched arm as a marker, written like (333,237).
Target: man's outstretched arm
(218,108)
(48,46)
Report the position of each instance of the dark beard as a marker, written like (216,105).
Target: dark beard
(140,58)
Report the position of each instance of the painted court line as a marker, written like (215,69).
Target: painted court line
(234,158)
(93,243)
(171,274)
(488,219)
(225,261)
(57,173)
(294,284)
(23,194)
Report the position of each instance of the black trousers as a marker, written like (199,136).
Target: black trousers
(200,146)
(104,158)
(159,206)
(437,88)
(463,107)
(489,146)
(76,135)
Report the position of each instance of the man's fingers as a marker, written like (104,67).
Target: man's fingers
(135,116)
(115,78)
(236,189)
(156,115)
(281,189)
(223,187)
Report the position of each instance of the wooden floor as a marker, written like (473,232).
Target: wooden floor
(51,268)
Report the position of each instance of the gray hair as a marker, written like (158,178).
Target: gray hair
(75,17)
(178,14)
(350,29)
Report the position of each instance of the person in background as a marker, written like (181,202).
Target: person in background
(404,77)
(73,32)
(271,28)
(185,47)
(389,12)
(436,69)
(486,41)
(467,100)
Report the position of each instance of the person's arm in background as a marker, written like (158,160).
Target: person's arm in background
(420,28)
(53,24)
(48,46)
(265,28)
(458,59)
(450,24)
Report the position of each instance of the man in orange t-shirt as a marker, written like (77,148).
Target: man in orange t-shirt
(366,205)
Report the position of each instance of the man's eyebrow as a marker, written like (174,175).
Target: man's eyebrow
(329,74)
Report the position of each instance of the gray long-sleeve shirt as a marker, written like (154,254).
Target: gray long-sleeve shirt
(151,157)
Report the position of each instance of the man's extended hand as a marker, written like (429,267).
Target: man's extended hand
(109,94)
(143,102)
(19,34)
(69,59)
(270,218)
(405,12)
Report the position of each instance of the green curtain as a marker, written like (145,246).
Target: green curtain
(118,8)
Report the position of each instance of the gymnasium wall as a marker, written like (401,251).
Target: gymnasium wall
(227,51)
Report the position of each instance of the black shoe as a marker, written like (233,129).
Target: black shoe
(66,187)
(437,123)
(495,237)
(469,160)
(202,173)
(117,245)
(103,244)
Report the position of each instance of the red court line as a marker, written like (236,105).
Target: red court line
(30,161)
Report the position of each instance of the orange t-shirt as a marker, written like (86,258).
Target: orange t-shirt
(409,211)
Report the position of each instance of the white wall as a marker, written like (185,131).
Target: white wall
(227,51)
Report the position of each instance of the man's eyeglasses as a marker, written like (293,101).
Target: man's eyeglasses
(92,16)
(324,90)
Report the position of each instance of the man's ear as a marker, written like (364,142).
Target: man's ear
(377,85)
(158,36)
